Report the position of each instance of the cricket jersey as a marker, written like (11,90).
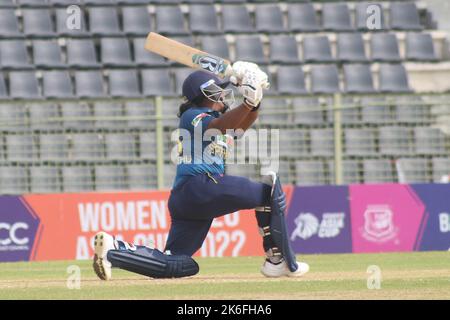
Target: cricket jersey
(200,153)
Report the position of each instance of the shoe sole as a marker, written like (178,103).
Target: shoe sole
(99,253)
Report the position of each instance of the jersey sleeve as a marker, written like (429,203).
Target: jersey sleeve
(193,118)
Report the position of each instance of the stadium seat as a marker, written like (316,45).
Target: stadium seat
(24,85)
(124,83)
(350,48)
(33,3)
(37,23)
(283,50)
(47,54)
(275,112)
(147,145)
(377,171)
(236,19)
(302,18)
(180,75)
(351,173)
(384,47)
(21,148)
(140,115)
(349,110)
(441,167)
(413,170)
(298,145)
(359,142)
(269,18)
(203,19)
(141,176)
(44,116)
(199,1)
(317,49)
(89,84)
(404,16)
(411,109)
(171,108)
(249,48)
(216,45)
(170,21)
(13,55)
(309,173)
(86,146)
(9,24)
(14,180)
(8,4)
(336,17)
(156,82)
(322,142)
(3,90)
(77,178)
(307,111)
(44,179)
(108,115)
(291,80)
(53,147)
(420,47)
(57,84)
(120,146)
(394,140)
(136,21)
(145,58)
(324,79)
(104,21)
(99,2)
(116,52)
(76,115)
(375,110)
(429,141)
(358,78)
(13,117)
(363,15)
(393,78)
(63,29)
(65,3)
(81,54)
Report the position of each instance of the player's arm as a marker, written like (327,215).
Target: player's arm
(231,119)
(248,121)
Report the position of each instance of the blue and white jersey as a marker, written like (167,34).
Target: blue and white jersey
(200,153)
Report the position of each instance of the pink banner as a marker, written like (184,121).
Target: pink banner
(384,217)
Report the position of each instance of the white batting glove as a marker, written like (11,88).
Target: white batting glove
(244,71)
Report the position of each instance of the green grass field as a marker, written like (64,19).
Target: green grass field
(421,275)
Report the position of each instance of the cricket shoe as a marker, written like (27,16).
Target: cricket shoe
(280,269)
(103,242)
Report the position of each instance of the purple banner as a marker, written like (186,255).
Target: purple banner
(18,228)
(435,234)
(318,220)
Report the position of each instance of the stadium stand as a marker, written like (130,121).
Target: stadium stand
(99,130)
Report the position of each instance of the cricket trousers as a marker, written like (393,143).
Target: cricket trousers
(195,202)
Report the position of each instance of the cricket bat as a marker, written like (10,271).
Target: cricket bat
(191,57)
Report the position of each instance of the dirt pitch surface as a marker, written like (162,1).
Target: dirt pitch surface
(421,275)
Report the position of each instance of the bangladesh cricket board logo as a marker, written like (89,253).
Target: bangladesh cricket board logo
(379,224)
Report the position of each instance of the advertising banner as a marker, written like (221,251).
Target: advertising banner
(62,226)
(318,220)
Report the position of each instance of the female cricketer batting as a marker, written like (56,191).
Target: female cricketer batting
(202,192)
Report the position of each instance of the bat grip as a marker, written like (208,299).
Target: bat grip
(229,72)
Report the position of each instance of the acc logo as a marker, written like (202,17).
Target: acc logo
(379,224)
(12,231)
(309,225)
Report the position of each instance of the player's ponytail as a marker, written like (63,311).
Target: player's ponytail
(197,102)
